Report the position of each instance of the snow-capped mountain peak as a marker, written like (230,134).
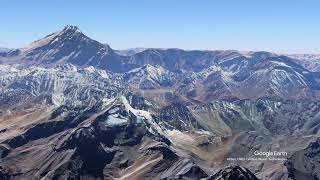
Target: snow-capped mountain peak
(69,45)
(71,29)
(58,38)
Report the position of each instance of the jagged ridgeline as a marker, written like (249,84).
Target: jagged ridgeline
(73,108)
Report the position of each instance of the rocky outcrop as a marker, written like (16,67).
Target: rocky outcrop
(305,164)
(233,173)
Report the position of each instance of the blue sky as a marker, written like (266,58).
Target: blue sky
(288,26)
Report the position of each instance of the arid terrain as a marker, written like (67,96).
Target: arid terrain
(74,108)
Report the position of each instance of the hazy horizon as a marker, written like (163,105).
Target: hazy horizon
(281,27)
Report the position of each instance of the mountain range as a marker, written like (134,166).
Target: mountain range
(74,108)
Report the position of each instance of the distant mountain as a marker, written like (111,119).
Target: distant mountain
(130,51)
(309,61)
(5,52)
(169,75)
(73,108)
(4,49)
(241,78)
(70,45)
